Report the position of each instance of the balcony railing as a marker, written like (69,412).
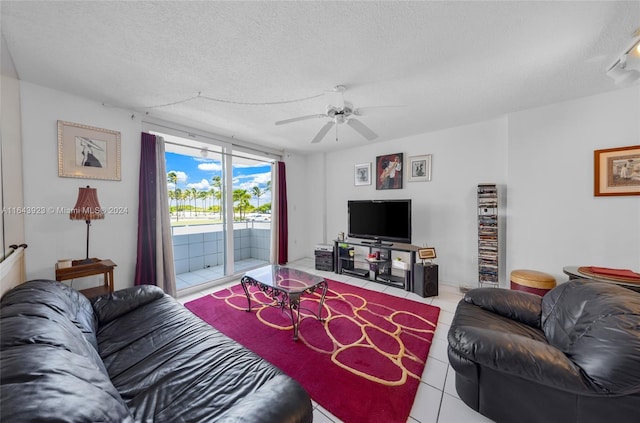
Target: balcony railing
(199,250)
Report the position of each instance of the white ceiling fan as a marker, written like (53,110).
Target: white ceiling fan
(344,112)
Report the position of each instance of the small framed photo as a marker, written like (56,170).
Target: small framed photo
(617,171)
(88,152)
(420,168)
(362,174)
(427,253)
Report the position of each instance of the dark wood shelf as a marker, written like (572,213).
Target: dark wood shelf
(90,267)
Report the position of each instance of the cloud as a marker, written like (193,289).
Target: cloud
(249,181)
(182,176)
(203,185)
(249,165)
(262,178)
(210,166)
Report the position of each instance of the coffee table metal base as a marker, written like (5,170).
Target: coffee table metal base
(286,300)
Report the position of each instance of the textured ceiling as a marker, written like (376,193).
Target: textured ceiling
(235,68)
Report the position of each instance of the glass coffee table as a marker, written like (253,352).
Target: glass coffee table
(285,286)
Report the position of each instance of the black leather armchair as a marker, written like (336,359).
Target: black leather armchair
(570,356)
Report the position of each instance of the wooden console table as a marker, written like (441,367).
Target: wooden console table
(79,269)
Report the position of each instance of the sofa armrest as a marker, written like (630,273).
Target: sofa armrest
(281,400)
(515,305)
(111,306)
(521,357)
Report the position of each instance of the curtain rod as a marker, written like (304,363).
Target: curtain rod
(223,139)
(215,152)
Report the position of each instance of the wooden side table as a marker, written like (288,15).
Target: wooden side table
(576,272)
(80,269)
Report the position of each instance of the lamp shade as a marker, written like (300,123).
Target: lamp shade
(87,206)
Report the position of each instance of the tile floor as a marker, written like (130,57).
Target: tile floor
(202,276)
(436,400)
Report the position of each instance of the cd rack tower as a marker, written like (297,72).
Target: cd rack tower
(488,236)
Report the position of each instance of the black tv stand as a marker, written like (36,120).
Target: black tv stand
(347,261)
(363,273)
(378,243)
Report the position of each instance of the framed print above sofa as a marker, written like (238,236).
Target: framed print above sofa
(88,152)
(617,171)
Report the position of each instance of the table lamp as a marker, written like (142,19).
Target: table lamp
(87,208)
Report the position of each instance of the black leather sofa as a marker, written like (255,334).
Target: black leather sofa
(136,355)
(572,356)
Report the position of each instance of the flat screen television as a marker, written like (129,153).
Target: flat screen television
(380,220)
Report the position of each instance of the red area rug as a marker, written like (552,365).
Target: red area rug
(363,364)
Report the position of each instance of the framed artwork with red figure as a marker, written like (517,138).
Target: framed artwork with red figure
(389,171)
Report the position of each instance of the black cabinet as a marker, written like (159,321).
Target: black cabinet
(324,258)
(425,279)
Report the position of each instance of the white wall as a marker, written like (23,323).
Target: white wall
(555,220)
(11,197)
(54,236)
(543,156)
(297,205)
(444,210)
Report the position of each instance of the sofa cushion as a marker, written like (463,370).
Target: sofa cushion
(513,305)
(166,362)
(116,304)
(59,301)
(596,325)
(48,346)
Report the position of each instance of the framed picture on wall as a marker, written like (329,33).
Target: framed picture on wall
(389,170)
(419,168)
(88,152)
(362,174)
(617,171)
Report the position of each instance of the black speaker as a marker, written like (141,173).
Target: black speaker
(425,279)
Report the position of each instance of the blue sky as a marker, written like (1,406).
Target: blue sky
(197,172)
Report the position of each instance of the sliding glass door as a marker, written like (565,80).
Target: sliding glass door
(251,197)
(196,189)
(220,207)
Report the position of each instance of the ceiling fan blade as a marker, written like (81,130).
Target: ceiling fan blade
(323,131)
(296,119)
(362,129)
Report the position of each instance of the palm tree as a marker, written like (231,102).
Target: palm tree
(257,192)
(216,181)
(172,195)
(172,178)
(194,196)
(242,197)
(179,195)
(203,195)
(211,194)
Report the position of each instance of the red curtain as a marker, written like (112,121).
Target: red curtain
(283,228)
